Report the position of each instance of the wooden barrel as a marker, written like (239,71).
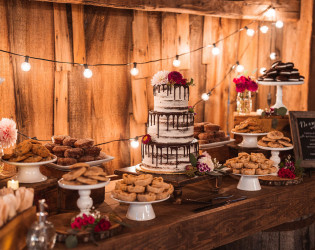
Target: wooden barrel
(295,235)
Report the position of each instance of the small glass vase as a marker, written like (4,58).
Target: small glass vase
(244,103)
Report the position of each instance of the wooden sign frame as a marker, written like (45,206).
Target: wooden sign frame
(298,151)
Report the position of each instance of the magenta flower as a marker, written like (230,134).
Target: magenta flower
(175,77)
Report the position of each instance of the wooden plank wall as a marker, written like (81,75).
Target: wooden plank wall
(53,98)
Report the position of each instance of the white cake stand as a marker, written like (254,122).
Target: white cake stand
(249,139)
(140,211)
(29,172)
(84,202)
(249,182)
(279,85)
(275,155)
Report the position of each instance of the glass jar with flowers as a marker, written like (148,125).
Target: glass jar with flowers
(244,88)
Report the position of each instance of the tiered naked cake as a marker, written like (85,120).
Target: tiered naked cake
(170,126)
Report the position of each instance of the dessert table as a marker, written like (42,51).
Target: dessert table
(177,226)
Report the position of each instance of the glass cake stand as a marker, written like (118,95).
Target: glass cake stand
(279,85)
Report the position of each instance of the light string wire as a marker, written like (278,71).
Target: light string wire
(151,61)
(131,63)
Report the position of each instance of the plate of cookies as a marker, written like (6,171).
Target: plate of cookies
(71,150)
(28,156)
(140,192)
(275,140)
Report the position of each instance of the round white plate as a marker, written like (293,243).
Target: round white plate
(275,149)
(215,144)
(91,163)
(267,83)
(249,182)
(28,172)
(83,187)
(140,211)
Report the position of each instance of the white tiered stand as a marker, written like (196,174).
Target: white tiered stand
(279,85)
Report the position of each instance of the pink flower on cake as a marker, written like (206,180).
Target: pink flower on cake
(8,133)
(146,139)
(175,77)
(160,78)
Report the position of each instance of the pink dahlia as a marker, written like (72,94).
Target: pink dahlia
(8,133)
(175,77)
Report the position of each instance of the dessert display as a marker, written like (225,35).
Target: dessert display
(71,150)
(143,188)
(250,125)
(170,125)
(251,164)
(281,72)
(84,174)
(275,139)
(14,202)
(29,151)
(207,132)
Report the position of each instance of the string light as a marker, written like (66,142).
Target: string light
(215,50)
(176,61)
(273,56)
(205,96)
(26,66)
(270,13)
(87,72)
(264,29)
(239,67)
(279,24)
(249,32)
(262,70)
(134,71)
(134,143)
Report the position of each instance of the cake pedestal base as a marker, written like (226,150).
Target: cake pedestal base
(177,180)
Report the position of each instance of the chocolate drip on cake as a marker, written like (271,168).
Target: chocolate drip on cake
(168,89)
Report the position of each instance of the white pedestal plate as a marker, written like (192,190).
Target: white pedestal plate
(249,139)
(249,182)
(140,211)
(29,172)
(84,202)
(279,85)
(275,155)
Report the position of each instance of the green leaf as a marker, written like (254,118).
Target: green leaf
(263,114)
(282,111)
(71,241)
(254,71)
(193,159)
(274,123)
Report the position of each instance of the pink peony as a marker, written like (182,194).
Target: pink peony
(8,133)
(252,86)
(240,87)
(175,77)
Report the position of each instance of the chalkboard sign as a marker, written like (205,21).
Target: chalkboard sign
(303,133)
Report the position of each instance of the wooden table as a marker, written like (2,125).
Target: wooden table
(177,226)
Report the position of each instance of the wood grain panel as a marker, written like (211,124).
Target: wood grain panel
(136,129)
(139,100)
(183,40)
(168,40)
(34,90)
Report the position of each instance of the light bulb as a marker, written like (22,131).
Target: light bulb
(262,70)
(215,50)
(250,32)
(279,24)
(25,66)
(264,29)
(134,143)
(273,56)
(87,72)
(176,61)
(205,97)
(270,13)
(134,71)
(239,68)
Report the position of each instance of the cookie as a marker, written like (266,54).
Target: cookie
(267,139)
(155,189)
(247,171)
(58,139)
(23,148)
(35,158)
(60,150)
(18,158)
(273,170)
(146,197)
(84,143)
(143,179)
(69,141)
(124,196)
(70,182)
(285,143)
(50,146)
(79,165)
(87,181)
(286,139)
(93,171)
(7,156)
(236,171)
(66,161)
(40,150)
(162,196)
(99,178)
(74,174)
(86,158)
(92,151)
(135,189)
(275,135)
(74,153)
(262,171)
(275,145)
(129,178)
